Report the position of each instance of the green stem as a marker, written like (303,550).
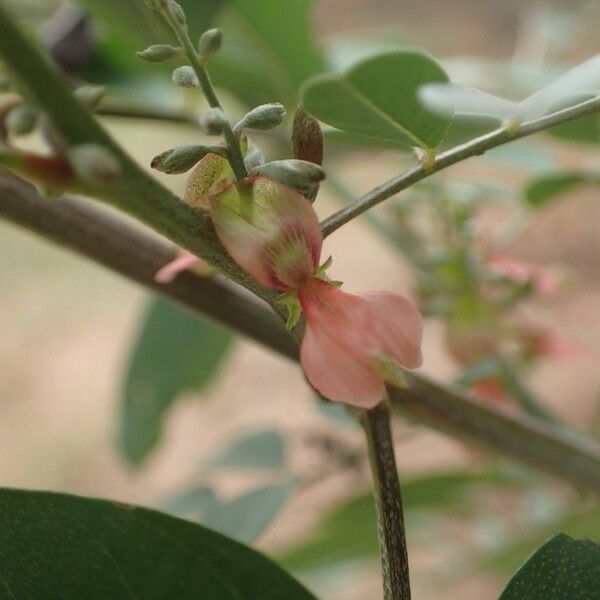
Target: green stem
(528,440)
(198,64)
(450,157)
(388,500)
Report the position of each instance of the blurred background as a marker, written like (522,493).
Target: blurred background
(246,449)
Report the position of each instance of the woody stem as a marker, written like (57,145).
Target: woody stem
(388,500)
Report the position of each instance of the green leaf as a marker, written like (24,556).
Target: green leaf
(259,450)
(61,546)
(244,518)
(175,352)
(585,130)
(350,531)
(283,37)
(542,190)
(378,98)
(562,569)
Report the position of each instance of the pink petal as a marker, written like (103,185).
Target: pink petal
(185,260)
(344,331)
(270,230)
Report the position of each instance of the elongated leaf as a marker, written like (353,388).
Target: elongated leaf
(562,569)
(283,35)
(258,450)
(244,518)
(585,130)
(175,352)
(379,98)
(59,546)
(349,531)
(542,190)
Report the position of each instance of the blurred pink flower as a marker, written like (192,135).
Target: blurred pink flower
(544,280)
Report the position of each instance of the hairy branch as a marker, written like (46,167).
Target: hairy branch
(137,255)
(455,155)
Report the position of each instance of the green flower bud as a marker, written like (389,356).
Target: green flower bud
(90,95)
(177,12)
(183,158)
(265,116)
(21,119)
(254,158)
(210,42)
(212,121)
(298,174)
(94,164)
(185,77)
(159,53)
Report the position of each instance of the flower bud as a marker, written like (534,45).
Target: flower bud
(212,121)
(307,137)
(210,42)
(185,77)
(94,164)
(177,12)
(265,116)
(182,159)
(159,53)
(254,158)
(21,120)
(90,95)
(298,174)
(270,230)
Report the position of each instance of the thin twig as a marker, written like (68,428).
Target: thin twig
(450,157)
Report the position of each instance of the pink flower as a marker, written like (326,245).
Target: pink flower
(545,282)
(344,332)
(182,262)
(273,233)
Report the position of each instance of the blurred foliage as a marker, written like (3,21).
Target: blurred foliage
(175,353)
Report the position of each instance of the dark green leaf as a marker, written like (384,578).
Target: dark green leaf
(55,546)
(542,190)
(562,569)
(378,98)
(175,352)
(259,450)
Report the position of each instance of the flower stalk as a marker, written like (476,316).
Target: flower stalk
(198,64)
(388,500)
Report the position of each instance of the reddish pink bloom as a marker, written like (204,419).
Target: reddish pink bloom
(544,280)
(273,233)
(182,262)
(344,332)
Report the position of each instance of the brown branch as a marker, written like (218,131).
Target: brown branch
(137,255)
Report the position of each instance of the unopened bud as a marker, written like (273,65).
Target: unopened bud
(307,137)
(212,121)
(265,116)
(90,95)
(185,77)
(177,12)
(254,158)
(298,174)
(159,53)
(21,119)
(183,158)
(94,164)
(210,42)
